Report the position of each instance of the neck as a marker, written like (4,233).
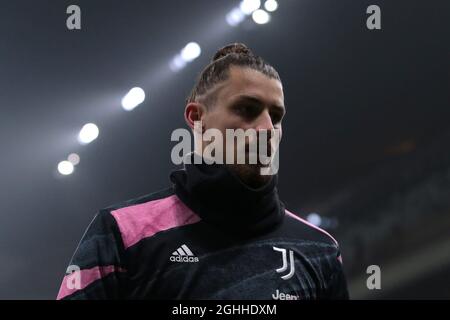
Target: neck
(219,197)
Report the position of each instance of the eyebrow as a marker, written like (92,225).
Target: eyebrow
(254,100)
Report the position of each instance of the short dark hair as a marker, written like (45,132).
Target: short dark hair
(235,54)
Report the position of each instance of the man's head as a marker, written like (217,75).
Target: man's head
(237,90)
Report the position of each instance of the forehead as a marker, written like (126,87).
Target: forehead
(249,82)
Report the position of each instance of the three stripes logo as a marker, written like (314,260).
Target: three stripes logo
(183,254)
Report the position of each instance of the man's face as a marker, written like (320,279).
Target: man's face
(248,99)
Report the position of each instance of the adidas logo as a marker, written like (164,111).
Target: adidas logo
(183,254)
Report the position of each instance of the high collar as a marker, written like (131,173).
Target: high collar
(220,198)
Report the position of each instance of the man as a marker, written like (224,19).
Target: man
(220,232)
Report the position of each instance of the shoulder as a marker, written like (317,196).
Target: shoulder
(147,215)
(309,230)
(158,195)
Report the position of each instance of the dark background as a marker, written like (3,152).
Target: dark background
(365,143)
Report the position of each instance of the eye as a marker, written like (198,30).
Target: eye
(247,111)
(276,116)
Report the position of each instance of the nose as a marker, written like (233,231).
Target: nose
(264,122)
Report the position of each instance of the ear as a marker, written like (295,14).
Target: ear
(194,111)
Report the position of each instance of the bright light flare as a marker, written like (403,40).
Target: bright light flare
(249,6)
(133,98)
(65,168)
(88,133)
(260,16)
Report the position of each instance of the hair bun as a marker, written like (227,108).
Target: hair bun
(237,48)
